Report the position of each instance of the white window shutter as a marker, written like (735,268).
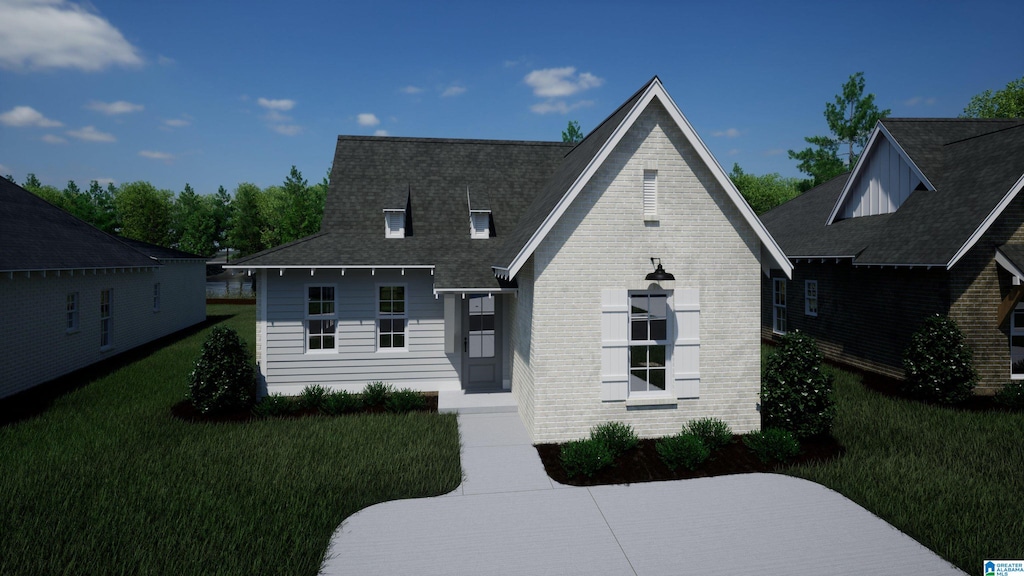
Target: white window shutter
(614,344)
(650,194)
(686,349)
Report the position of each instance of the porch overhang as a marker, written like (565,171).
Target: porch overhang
(314,267)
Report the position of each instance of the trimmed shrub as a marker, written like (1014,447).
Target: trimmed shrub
(342,402)
(683,449)
(713,432)
(313,398)
(224,378)
(939,363)
(405,400)
(275,405)
(376,394)
(796,391)
(584,457)
(1012,395)
(618,437)
(774,444)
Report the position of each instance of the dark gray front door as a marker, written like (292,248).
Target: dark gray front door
(481,345)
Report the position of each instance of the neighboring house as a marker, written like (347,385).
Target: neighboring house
(495,265)
(72,295)
(928,222)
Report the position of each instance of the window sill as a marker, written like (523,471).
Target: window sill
(651,401)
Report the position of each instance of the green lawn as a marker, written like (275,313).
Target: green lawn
(105,481)
(952,480)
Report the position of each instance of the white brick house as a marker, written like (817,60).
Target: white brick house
(491,265)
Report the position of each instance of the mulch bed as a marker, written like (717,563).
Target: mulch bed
(642,464)
(184,410)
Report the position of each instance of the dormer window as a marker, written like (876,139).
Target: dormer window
(394,223)
(480,224)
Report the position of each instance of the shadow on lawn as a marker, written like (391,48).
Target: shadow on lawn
(36,400)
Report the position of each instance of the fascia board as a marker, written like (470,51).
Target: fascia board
(987,223)
(1008,265)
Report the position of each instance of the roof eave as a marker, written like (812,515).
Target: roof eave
(987,222)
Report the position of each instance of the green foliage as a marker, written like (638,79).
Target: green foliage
(766,191)
(195,226)
(683,449)
(376,394)
(796,391)
(713,432)
(245,233)
(938,363)
(405,400)
(850,119)
(313,397)
(585,457)
(1012,395)
(224,378)
(144,212)
(617,436)
(572,132)
(1005,103)
(275,406)
(772,444)
(342,402)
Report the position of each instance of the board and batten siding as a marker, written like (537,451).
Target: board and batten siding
(288,367)
(882,186)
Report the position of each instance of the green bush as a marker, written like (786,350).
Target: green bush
(313,398)
(774,444)
(405,400)
(275,405)
(224,378)
(1012,395)
(683,449)
(618,437)
(342,402)
(584,457)
(714,433)
(796,391)
(939,363)
(375,394)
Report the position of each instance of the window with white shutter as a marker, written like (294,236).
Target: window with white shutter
(686,348)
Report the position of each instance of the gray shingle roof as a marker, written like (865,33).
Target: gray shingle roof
(972,164)
(36,235)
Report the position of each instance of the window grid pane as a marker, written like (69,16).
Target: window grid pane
(322,326)
(648,342)
(391,320)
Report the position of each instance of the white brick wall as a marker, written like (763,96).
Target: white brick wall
(602,242)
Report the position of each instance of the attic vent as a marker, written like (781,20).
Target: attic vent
(480,224)
(394,223)
(650,194)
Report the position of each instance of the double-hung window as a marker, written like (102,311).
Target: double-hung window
(779,305)
(156,297)
(811,297)
(106,302)
(71,311)
(321,318)
(1017,343)
(648,342)
(391,317)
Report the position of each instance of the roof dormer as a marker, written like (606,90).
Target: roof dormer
(394,223)
(479,224)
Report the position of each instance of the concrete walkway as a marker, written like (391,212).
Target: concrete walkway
(508,517)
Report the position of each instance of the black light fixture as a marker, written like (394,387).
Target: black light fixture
(659,274)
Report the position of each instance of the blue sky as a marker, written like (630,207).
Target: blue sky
(217,93)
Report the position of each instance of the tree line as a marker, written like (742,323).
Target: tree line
(249,220)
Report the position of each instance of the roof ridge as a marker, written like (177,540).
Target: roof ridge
(1020,124)
(430,140)
(616,111)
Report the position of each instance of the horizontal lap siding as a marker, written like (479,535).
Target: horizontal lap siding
(422,365)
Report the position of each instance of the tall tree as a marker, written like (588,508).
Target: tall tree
(572,132)
(46,192)
(221,215)
(1005,103)
(766,191)
(144,212)
(850,118)
(105,215)
(195,223)
(247,223)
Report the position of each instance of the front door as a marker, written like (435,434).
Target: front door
(481,343)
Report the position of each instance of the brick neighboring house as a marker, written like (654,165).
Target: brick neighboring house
(527,266)
(930,221)
(72,295)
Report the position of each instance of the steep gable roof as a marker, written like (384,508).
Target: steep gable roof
(36,235)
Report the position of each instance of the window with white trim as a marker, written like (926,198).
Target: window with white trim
(71,311)
(650,194)
(391,317)
(394,223)
(811,297)
(156,297)
(779,305)
(106,305)
(1017,343)
(480,224)
(321,318)
(648,342)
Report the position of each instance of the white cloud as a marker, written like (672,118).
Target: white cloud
(114,108)
(733,152)
(165,60)
(91,134)
(453,91)
(4,171)
(560,82)
(367,119)
(514,63)
(916,100)
(559,106)
(27,116)
(38,34)
(287,129)
(281,105)
(727,133)
(153,155)
(411,90)
(53,139)
(380,133)
(104,181)
(775,152)
(176,122)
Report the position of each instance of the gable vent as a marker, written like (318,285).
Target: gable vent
(650,194)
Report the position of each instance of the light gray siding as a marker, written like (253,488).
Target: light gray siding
(885,182)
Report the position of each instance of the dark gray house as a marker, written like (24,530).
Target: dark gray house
(930,221)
